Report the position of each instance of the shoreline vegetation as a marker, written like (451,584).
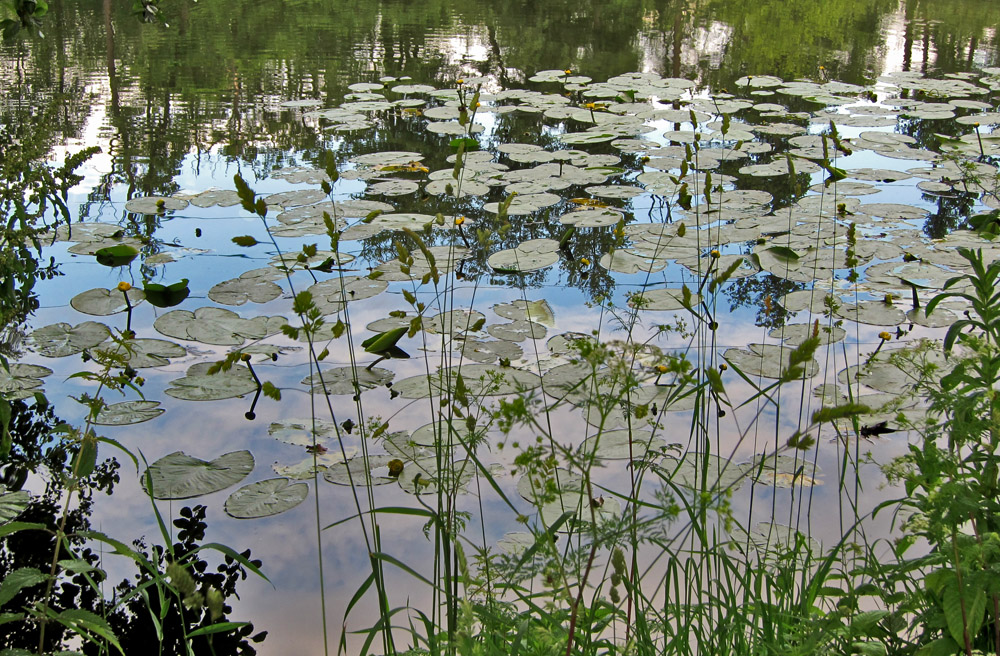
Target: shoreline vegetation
(656,482)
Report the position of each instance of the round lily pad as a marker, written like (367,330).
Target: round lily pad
(199,385)
(103,302)
(180,476)
(265,498)
(128,412)
(61,339)
(155,204)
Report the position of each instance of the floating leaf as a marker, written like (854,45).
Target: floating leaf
(180,476)
(265,498)
(103,302)
(22,380)
(155,204)
(199,385)
(211,325)
(61,339)
(341,380)
(117,255)
(128,412)
(164,296)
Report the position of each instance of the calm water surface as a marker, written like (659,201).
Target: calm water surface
(183,107)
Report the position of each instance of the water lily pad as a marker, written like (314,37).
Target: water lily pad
(128,412)
(699,471)
(537,311)
(875,313)
(180,476)
(479,379)
(22,380)
(662,299)
(103,302)
(304,432)
(785,471)
(517,331)
(315,464)
(767,361)
(61,339)
(453,322)
(622,444)
(530,255)
(487,351)
(210,325)
(265,498)
(341,380)
(199,385)
(151,352)
(373,470)
(155,204)
(252,286)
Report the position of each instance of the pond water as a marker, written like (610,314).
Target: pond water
(640,147)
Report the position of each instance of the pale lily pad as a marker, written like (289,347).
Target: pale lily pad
(487,351)
(250,286)
(155,204)
(595,217)
(516,543)
(313,464)
(662,299)
(128,412)
(61,339)
(210,325)
(393,187)
(698,471)
(373,470)
(794,334)
(151,352)
(530,255)
(22,380)
(301,432)
(453,322)
(767,361)
(180,476)
(517,331)
(199,385)
(479,379)
(785,471)
(875,313)
(537,311)
(341,380)
(265,498)
(103,302)
(622,444)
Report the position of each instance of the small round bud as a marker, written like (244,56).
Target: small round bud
(250,415)
(244,357)
(124,286)
(715,254)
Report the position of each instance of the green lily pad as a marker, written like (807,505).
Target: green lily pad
(61,339)
(517,331)
(199,385)
(265,498)
(128,412)
(102,302)
(117,255)
(180,476)
(698,471)
(164,296)
(537,311)
(152,352)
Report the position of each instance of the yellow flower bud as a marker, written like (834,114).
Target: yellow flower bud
(715,254)
(567,71)
(245,357)
(460,220)
(884,336)
(584,261)
(124,286)
(460,81)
